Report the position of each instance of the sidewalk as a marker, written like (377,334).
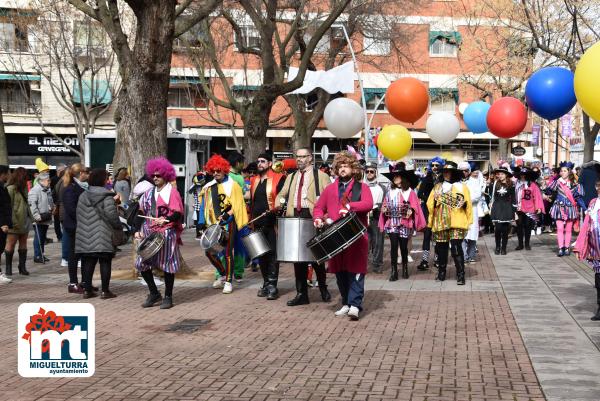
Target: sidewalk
(520,318)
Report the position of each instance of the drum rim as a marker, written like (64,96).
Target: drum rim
(326,234)
(339,249)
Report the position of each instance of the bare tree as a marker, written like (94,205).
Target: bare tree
(54,42)
(564,30)
(144,66)
(269,36)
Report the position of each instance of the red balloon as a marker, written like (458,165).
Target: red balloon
(507,117)
(407,99)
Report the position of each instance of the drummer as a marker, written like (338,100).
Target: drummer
(300,192)
(223,204)
(264,188)
(347,194)
(163,202)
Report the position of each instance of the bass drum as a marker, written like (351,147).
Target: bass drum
(292,235)
(337,237)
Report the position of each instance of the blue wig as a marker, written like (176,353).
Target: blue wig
(436,159)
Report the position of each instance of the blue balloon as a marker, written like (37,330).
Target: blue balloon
(550,92)
(475,117)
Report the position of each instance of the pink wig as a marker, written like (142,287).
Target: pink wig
(162,166)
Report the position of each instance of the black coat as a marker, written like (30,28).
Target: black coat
(69,203)
(504,203)
(427,184)
(5,207)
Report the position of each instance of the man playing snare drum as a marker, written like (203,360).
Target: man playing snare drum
(347,194)
(300,192)
(223,203)
(264,188)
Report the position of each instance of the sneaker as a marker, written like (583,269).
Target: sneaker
(353,313)
(64,263)
(79,263)
(410,259)
(238,279)
(218,283)
(38,260)
(4,279)
(227,288)
(343,311)
(533,232)
(46,259)
(539,231)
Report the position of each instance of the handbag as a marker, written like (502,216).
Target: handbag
(118,235)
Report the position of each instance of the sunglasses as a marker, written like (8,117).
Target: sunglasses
(371,171)
(156,176)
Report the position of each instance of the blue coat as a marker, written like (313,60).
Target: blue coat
(69,203)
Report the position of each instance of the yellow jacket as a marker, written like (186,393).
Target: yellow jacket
(235,199)
(459,217)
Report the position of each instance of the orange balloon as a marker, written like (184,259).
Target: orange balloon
(407,99)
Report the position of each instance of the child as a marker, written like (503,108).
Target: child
(587,246)
(401,214)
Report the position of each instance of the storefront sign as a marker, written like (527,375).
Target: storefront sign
(518,151)
(18,144)
(478,155)
(535,134)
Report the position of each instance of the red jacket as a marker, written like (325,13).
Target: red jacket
(273,179)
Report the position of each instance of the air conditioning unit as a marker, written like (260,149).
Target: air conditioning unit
(179,170)
(174,125)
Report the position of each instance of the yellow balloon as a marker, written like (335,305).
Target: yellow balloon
(587,82)
(394,142)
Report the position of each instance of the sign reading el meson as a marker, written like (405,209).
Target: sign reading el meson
(18,144)
(518,151)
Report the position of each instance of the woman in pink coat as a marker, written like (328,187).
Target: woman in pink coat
(347,194)
(530,204)
(401,215)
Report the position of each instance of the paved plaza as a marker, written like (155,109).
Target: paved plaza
(519,330)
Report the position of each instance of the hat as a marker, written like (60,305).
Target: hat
(450,165)
(568,165)
(529,174)
(40,165)
(410,175)
(265,155)
(464,166)
(393,171)
(371,165)
(43,176)
(503,170)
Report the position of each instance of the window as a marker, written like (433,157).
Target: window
(243,93)
(376,43)
(372,98)
(334,38)
(443,99)
(188,96)
(17,97)
(444,43)
(13,37)
(311,99)
(250,37)
(88,39)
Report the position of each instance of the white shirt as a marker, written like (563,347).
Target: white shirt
(164,193)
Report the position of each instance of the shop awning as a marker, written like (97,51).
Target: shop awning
(240,88)
(370,93)
(451,36)
(19,77)
(101,94)
(435,93)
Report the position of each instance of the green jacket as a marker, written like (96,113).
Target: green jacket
(21,215)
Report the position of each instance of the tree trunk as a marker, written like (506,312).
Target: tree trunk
(502,149)
(589,138)
(3,147)
(141,114)
(256,124)
(301,137)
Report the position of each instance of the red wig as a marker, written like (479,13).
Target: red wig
(217,163)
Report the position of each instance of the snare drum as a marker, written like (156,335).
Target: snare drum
(150,245)
(337,237)
(214,239)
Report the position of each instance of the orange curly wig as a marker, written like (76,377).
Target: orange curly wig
(345,157)
(217,163)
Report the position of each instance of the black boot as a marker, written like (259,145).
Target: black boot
(459,262)
(519,247)
(9,258)
(497,251)
(273,277)
(405,270)
(262,291)
(22,262)
(325,295)
(503,251)
(441,276)
(394,272)
(301,297)
(596,317)
(424,265)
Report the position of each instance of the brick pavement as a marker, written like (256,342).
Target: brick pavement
(412,343)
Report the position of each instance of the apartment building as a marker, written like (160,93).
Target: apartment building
(436,34)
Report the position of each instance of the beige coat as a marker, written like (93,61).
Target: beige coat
(311,196)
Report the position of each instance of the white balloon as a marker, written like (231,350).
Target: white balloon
(442,127)
(462,107)
(343,117)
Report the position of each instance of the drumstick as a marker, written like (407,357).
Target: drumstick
(148,217)
(258,217)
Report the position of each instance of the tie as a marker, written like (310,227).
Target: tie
(341,190)
(299,196)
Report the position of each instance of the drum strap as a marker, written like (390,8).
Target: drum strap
(214,194)
(356,191)
(153,204)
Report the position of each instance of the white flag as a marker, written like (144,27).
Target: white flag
(338,79)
